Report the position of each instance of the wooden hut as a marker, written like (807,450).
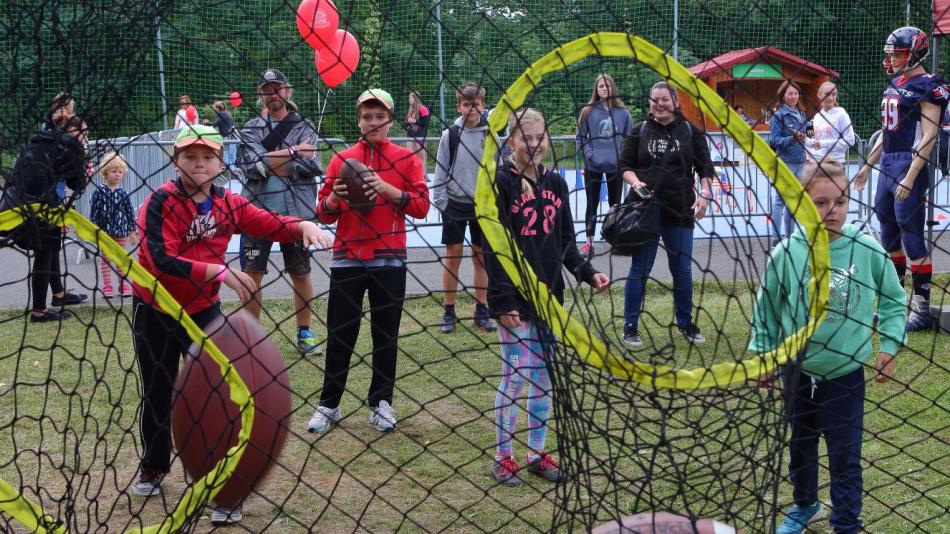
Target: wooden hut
(751,77)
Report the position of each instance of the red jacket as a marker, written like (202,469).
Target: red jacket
(379,233)
(178,245)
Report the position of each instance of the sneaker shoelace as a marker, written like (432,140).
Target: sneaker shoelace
(509,467)
(547,462)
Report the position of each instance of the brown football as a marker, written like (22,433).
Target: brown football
(663,522)
(352,173)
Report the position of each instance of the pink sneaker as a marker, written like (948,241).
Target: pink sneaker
(107,291)
(126,290)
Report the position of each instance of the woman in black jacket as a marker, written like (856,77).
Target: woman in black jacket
(663,154)
(55,153)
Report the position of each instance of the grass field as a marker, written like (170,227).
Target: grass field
(69,398)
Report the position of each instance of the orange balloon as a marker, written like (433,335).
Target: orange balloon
(338,61)
(317,22)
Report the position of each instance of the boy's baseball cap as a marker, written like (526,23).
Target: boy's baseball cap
(379,95)
(271,76)
(199,134)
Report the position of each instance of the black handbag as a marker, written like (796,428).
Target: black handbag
(632,224)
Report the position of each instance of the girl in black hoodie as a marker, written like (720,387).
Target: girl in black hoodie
(533,204)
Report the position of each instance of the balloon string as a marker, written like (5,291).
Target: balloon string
(323,108)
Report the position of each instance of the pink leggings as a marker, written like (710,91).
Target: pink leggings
(522,352)
(106,267)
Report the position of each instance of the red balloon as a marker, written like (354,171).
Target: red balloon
(317,22)
(192,115)
(338,61)
(235,99)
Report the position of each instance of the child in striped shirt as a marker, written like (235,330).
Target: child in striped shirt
(112,212)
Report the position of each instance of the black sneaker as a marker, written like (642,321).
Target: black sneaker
(483,319)
(448,323)
(50,315)
(631,336)
(546,468)
(68,299)
(692,334)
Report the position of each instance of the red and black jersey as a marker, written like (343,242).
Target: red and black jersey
(181,240)
(900,109)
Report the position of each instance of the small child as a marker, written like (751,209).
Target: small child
(453,192)
(533,203)
(824,390)
(369,256)
(184,227)
(112,212)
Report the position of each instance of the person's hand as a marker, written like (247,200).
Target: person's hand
(306,150)
(885,367)
(600,283)
(635,183)
(339,191)
(800,137)
(311,234)
(816,145)
(699,208)
(862,178)
(375,186)
(902,190)
(241,283)
(511,319)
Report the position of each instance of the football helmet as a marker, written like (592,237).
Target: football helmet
(905,48)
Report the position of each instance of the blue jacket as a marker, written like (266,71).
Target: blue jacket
(784,124)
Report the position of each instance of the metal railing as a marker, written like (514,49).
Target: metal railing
(741,192)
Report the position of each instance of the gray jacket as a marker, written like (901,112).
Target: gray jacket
(456,182)
(600,137)
(300,191)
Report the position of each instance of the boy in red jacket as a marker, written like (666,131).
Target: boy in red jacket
(369,255)
(184,230)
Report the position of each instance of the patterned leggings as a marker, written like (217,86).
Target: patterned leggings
(522,358)
(105,269)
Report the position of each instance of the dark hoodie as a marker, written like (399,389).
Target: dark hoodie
(543,229)
(667,158)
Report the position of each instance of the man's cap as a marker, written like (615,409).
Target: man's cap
(379,95)
(199,134)
(271,76)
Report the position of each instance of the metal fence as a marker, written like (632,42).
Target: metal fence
(741,191)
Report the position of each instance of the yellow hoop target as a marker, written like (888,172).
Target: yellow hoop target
(590,348)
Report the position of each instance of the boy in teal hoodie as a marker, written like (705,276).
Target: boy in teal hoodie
(824,390)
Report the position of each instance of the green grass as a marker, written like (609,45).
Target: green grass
(69,398)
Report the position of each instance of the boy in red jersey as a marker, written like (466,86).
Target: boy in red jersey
(184,230)
(369,255)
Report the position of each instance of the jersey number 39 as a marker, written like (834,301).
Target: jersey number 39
(890,113)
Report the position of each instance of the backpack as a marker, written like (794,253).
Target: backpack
(48,157)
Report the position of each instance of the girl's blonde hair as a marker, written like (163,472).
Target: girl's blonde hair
(824,89)
(826,170)
(515,121)
(110,161)
(412,114)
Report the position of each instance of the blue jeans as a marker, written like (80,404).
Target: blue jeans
(678,243)
(833,409)
(780,213)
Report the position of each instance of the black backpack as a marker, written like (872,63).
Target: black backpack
(48,157)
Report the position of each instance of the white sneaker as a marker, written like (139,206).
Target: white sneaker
(226,516)
(323,418)
(383,417)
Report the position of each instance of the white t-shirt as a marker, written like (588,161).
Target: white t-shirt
(181,119)
(834,133)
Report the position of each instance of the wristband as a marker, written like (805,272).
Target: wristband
(222,275)
(705,195)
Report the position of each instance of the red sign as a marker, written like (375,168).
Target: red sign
(941,17)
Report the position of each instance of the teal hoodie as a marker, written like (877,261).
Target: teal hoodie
(863,280)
